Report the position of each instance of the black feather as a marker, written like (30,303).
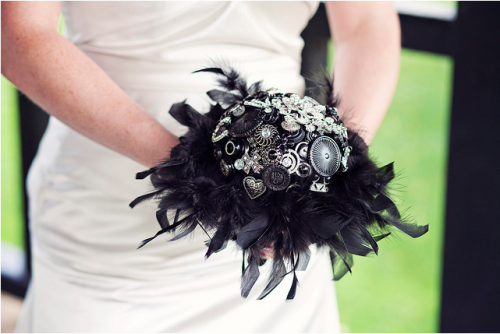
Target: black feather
(368,237)
(190,228)
(219,240)
(145,197)
(216,70)
(161,217)
(145,174)
(382,202)
(278,273)
(303,260)
(254,88)
(386,173)
(341,263)
(251,231)
(224,98)
(249,278)
(413,230)
(327,226)
(185,114)
(163,230)
(355,242)
(293,288)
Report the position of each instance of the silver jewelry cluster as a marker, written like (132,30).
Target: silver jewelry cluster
(292,137)
(297,110)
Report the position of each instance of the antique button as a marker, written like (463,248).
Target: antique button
(276,177)
(324,156)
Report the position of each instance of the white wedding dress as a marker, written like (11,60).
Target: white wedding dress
(88,275)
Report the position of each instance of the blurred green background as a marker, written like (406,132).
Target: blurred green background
(12,196)
(398,291)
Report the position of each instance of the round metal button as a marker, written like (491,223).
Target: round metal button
(324,156)
(276,177)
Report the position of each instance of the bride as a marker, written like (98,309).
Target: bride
(108,89)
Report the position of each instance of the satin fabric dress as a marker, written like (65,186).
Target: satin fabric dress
(88,275)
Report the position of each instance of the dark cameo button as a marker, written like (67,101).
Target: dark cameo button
(246,124)
(276,177)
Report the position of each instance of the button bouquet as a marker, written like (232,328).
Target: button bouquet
(265,168)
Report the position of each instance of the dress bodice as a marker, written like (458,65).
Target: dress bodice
(152,45)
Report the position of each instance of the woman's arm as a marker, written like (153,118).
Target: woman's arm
(67,84)
(367,40)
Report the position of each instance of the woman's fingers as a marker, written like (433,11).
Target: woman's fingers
(267,252)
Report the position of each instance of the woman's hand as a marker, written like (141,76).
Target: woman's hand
(367,39)
(67,84)
(268,252)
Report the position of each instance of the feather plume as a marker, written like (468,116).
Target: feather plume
(348,219)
